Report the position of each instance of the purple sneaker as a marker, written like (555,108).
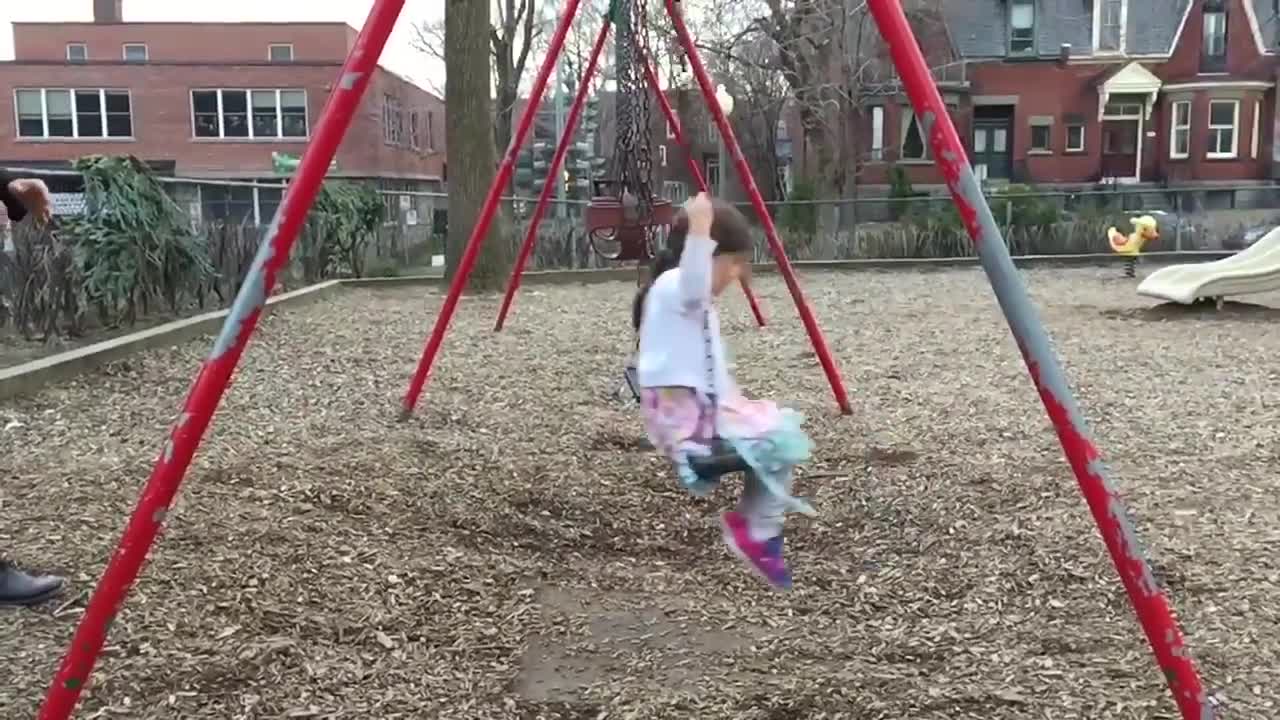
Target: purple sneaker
(764,558)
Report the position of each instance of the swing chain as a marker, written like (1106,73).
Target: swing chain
(633,157)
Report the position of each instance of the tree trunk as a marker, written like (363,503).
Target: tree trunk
(469,137)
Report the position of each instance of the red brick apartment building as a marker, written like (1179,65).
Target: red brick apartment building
(1077,92)
(208,100)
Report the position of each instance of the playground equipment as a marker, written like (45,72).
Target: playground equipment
(1153,612)
(1145,230)
(1255,269)
(625,216)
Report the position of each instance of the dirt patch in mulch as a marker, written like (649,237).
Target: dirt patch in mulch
(514,552)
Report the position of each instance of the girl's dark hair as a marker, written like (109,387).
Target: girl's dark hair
(729,229)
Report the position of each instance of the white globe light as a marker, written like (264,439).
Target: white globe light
(724,99)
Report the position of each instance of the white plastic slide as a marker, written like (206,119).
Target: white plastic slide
(1253,270)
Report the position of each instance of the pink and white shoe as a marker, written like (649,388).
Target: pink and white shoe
(763,558)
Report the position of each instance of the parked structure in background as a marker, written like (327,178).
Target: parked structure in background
(234,101)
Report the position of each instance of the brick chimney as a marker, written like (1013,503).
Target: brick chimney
(106,12)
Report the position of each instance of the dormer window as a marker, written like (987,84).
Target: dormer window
(1022,27)
(1108,25)
(1213,37)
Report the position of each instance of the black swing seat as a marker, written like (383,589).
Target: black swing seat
(723,460)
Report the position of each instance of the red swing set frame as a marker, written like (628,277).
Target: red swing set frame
(1150,605)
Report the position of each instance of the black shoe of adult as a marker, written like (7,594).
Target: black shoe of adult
(20,588)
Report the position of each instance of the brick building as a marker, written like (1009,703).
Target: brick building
(1072,92)
(208,100)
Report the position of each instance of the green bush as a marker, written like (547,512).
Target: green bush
(344,218)
(800,215)
(133,245)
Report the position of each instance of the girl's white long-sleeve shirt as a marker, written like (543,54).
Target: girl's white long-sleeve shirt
(677,315)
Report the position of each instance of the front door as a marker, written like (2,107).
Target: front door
(991,157)
(1120,149)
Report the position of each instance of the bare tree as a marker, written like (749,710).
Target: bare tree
(512,39)
(467,56)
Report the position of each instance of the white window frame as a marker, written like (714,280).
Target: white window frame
(414,137)
(124,52)
(75,115)
(84,47)
(675,191)
(1176,127)
(1124,28)
(222,129)
(713,184)
(272,47)
(662,156)
(431,131)
(1254,138)
(1067,147)
(1210,128)
(671,129)
(877,133)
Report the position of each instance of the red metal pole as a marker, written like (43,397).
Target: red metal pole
(549,186)
(674,122)
(1046,371)
(468,261)
(211,382)
(770,231)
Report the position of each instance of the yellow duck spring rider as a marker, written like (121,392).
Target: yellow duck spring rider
(1145,230)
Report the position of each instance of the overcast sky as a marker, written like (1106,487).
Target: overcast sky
(400,57)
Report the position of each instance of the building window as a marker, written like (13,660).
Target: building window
(1224,121)
(413,130)
(671,130)
(1108,27)
(1075,136)
(675,191)
(241,204)
(392,121)
(1041,135)
(135,52)
(713,176)
(662,156)
(77,52)
(431,131)
(280,53)
(1022,27)
(914,144)
(1180,130)
(877,132)
(1257,122)
(252,114)
(63,113)
(1213,37)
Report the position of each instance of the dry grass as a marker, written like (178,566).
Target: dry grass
(512,554)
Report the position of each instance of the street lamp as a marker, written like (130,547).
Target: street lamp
(725,101)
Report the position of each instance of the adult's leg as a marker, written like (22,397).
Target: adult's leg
(23,588)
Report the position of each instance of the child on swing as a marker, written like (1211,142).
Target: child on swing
(690,404)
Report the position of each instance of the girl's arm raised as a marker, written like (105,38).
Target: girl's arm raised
(699,248)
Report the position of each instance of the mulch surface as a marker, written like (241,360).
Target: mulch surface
(515,551)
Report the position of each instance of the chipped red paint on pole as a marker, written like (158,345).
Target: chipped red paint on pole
(467,262)
(757,202)
(549,185)
(1046,372)
(674,123)
(211,382)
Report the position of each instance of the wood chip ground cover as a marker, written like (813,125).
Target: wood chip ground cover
(514,552)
